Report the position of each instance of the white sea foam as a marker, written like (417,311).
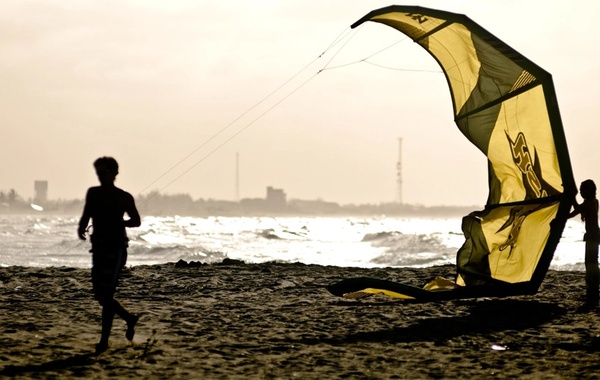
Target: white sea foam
(41,241)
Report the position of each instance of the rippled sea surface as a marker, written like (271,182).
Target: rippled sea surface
(43,240)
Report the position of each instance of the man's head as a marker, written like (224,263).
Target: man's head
(107,169)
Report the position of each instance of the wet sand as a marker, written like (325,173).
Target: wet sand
(277,321)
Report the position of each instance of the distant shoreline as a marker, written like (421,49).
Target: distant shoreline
(183,205)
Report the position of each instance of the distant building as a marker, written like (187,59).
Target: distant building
(40,192)
(276,199)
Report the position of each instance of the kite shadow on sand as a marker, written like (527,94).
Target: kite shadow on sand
(482,317)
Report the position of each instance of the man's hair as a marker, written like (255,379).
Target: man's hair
(108,163)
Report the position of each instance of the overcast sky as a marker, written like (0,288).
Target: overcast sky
(153,82)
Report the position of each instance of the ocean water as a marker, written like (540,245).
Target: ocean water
(42,240)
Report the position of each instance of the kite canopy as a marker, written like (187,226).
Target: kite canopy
(506,106)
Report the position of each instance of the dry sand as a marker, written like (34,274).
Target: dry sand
(266,321)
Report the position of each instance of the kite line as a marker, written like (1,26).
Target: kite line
(343,38)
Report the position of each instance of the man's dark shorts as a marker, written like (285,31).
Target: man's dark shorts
(108,258)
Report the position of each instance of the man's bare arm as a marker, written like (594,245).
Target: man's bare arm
(85,218)
(134,216)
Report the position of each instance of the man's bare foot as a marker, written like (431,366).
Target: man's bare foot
(131,327)
(101,347)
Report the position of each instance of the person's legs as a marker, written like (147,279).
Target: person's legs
(111,307)
(108,315)
(592,273)
(131,319)
(106,268)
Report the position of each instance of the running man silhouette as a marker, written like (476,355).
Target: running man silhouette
(106,206)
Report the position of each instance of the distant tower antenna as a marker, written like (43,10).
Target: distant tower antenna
(399,172)
(237,176)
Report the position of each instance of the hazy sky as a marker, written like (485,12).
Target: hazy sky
(150,82)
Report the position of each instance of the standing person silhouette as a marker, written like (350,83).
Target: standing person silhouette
(106,206)
(589,214)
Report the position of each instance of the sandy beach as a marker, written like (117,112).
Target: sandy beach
(277,321)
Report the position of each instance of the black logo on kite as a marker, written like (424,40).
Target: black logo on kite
(417,17)
(515,222)
(535,186)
